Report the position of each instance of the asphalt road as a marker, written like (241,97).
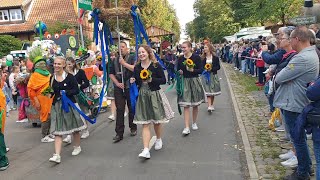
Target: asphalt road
(211,153)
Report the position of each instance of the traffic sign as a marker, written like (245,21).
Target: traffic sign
(303,20)
(85,4)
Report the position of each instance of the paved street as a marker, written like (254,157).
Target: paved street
(211,153)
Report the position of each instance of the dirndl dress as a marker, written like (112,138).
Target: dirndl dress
(110,93)
(193,93)
(63,123)
(212,87)
(152,107)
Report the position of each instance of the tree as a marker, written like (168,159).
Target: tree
(9,43)
(152,12)
(218,18)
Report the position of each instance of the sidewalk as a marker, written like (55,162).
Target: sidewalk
(254,109)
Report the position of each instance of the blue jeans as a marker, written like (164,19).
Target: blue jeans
(251,67)
(243,66)
(316,149)
(270,99)
(301,147)
(261,75)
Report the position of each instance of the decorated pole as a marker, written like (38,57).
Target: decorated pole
(119,41)
(80,25)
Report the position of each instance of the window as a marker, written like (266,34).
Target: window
(4,15)
(15,14)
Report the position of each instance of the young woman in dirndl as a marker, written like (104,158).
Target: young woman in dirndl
(62,122)
(152,105)
(211,83)
(190,67)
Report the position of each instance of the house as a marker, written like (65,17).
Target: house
(18,17)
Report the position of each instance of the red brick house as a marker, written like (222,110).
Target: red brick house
(18,17)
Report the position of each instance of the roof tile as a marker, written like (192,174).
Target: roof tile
(10,3)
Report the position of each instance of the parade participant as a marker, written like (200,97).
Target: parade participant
(190,66)
(121,90)
(211,82)
(83,83)
(170,59)
(110,92)
(13,86)
(4,163)
(95,81)
(38,83)
(62,122)
(150,108)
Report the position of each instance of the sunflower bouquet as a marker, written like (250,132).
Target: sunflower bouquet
(208,67)
(145,74)
(189,64)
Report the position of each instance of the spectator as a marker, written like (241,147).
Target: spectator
(291,96)
(315,28)
(274,58)
(170,60)
(12,84)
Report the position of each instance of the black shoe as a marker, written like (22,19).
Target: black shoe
(117,138)
(296,176)
(311,173)
(133,133)
(4,167)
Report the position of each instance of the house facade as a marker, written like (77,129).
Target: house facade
(18,17)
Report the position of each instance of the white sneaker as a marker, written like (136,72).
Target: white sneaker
(23,121)
(280,128)
(55,158)
(158,144)
(287,155)
(85,134)
(67,139)
(145,154)
(292,162)
(112,117)
(47,139)
(7,149)
(194,126)
(212,108)
(186,131)
(76,150)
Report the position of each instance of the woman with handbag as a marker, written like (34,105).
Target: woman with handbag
(210,81)
(65,119)
(83,83)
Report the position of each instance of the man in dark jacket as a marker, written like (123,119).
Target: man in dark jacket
(121,90)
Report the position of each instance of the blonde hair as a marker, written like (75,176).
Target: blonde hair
(150,54)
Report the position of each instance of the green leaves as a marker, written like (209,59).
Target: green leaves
(218,18)
(9,43)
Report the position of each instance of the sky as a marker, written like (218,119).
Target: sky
(185,13)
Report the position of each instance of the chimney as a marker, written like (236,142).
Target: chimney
(308,6)
(308,3)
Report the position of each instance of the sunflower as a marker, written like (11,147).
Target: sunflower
(145,74)
(208,67)
(189,63)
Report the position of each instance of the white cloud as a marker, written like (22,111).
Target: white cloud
(185,13)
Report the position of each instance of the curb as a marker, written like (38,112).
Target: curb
(250,161)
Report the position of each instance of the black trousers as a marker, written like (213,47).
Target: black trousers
(121,99)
